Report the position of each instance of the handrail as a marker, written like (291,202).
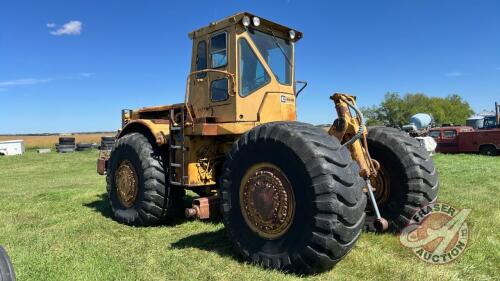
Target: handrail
(186,95)
(301,89)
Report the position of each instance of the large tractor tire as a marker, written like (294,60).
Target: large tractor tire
(6,269)
(65,148)
(137,186)
(292,198)
(407,179)
(67,141)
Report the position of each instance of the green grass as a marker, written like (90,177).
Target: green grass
(56,225)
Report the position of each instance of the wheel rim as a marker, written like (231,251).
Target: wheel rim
(267,201)
(127,186)
(382,185)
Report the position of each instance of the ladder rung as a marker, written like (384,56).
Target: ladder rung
(176,144)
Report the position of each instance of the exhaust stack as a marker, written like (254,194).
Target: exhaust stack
(497,114)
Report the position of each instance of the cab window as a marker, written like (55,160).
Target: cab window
(201,59)
(277,52)
(434,134)
(489,123)
(218,50)
(252,74)
(449,134)
(219,89)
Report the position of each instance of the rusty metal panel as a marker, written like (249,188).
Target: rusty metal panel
(101,166)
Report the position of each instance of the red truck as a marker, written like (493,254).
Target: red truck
(462,139)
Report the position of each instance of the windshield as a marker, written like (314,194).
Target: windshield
(277,52)
(490,122)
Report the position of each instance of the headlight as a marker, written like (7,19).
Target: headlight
(291,33)
(245,21)
(256,21)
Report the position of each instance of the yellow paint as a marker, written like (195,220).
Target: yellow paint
(352,125)
(159,131)
(212,126)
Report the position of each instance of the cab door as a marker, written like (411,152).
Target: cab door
(198,83)
(220,84)
(449,141)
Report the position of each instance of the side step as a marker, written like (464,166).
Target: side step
(177,150)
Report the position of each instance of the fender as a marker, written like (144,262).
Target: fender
(157,129)
(489,144)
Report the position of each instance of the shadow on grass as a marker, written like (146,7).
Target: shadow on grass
(101,205)
(218,242)
(215,241)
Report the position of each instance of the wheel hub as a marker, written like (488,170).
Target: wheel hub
(267,200)
(127,186)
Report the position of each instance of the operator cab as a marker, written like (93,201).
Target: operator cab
(242,70)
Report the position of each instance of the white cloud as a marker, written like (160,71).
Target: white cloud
(51,25)
(73,27)
(34,81)
(454,74)
(87,74)
(24,81)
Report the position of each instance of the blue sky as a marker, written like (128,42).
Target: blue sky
(128,54)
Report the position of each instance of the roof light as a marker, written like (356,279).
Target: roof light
(245,21)
(291,33)
(256,21)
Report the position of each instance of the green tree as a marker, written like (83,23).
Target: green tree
(396,110)
(371,115)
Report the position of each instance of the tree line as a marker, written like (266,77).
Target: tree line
(396,110)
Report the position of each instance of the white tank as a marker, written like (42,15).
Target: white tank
(421,120)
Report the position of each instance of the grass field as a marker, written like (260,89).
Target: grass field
(50,141)
(56,225)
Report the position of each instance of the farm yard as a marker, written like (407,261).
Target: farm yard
(264,145)
(56,225)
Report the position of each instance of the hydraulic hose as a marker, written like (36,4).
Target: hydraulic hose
(361,126)
(358,135)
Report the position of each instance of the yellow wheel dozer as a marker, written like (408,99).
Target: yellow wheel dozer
(292,196)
